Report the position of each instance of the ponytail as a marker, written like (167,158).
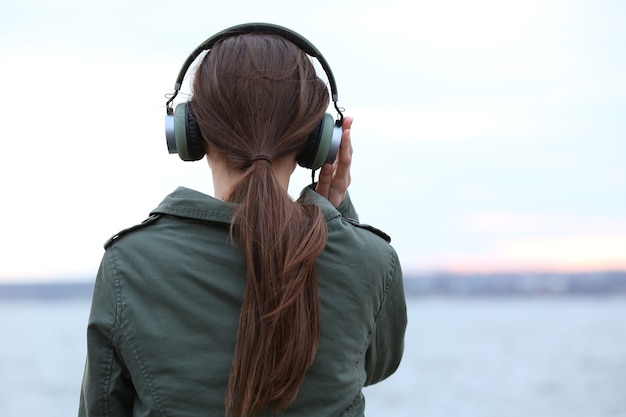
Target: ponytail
(256,99)
(279,326)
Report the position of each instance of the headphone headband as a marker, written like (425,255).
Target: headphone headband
(269,28)
(182,132)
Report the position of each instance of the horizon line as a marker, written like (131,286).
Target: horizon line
(409,274)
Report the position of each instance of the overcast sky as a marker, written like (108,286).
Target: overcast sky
(488,135)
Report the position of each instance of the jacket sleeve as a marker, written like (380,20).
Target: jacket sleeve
(106,388)
(387,344)
(347,210)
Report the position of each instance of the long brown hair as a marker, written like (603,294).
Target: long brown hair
(254,95)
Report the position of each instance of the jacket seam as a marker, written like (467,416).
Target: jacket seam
(372,336)
(204,215)
(106,385)
(393,261)
(120,328)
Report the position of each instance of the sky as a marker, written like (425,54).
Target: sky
(488,135)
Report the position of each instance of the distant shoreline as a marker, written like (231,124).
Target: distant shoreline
(431,284)
(597,283)
(48,291)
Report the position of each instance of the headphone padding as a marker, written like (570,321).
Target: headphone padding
(180,131)
(306,158)
(187,134)
(195,146)
(322,144)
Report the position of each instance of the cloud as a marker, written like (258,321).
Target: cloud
(532,254)
(448,119)
(458,106)
(592,251)
(461,23)
(541,223)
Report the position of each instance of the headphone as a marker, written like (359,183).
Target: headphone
(183,133)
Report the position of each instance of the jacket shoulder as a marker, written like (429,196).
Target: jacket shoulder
(121,233)
(369,228)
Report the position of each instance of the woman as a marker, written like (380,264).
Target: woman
(247,303)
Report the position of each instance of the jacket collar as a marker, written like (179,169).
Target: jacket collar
(192,204)
(185,202)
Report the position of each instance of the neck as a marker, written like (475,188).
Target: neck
(225,178)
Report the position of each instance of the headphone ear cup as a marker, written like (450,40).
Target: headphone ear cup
(305,159)
(194,141)
(183,133)
(322,145)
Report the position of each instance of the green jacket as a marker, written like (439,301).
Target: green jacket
(166,303)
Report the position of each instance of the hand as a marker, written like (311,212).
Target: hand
(334,178)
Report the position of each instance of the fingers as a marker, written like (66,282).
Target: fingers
(344,158)
(347,122)
(324,180)
(334,179)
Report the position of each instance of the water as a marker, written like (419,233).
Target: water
(563,357)
(553,357)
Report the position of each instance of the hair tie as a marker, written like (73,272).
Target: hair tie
(263,157)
